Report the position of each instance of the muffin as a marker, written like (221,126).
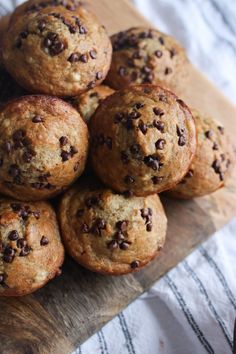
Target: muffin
(143,140)
(43,147)
(87,103)
(57,52)
(142,55)
(109,234)
(34,6)
(210,167)
(31,251)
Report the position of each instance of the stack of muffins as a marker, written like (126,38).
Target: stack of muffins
(128,142)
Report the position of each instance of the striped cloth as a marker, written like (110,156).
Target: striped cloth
(193,307)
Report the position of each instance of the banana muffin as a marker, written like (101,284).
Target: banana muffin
(87,103)
(31,252)
(57,52)
(211,165)
(43,147)
(142,55)
(108,233)
(143,140)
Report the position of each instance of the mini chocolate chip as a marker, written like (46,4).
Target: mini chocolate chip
(14,171)
(143,127)
(82,30)
(128,179)
(7,147)
(146,70)
(16,207)
(72,29)
(135,149)
(21,242)
(189,174)
(128,194)
(159,125)
(173,52)
(122,71)
(65,156)
(122,225)
(83,58)
(8,259)
(99,75)
(215,146)
(134,115)
(161,40)
(139,105)
(124,246)
(182,141)
(124,157)
(160,144)
(27,157)
(156,180)
(221,129)
(144,212)
(24,34)
(18,134)
(44,241)
(73,150)
(158,53)
(80,213)
(168,71)
(209,134)
(113,244)
(134,264)
(63,140)
(36,214)
(158,112)
(23,214)
(37,119)
(119,236)
(2,278)
(24,251)
(93,54)
(152,162)
(41,25)
(56,48)
(13,235)
(74,57)
(8,251)
(149,227)
(216,166)
(221,175)
(85,228)
(118,117)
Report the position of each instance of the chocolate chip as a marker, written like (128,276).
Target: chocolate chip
(180,131)
(14,171)
(18,134)
(137,55)
(2,278)
(215,146)
(8,251)
(56,48)
(36,214)
(144,212)
(93,54)
(138,105)
(152,162)
(7,147)
(209,134)
(134,264)
(83,58)
(146,70)
(134,115)
(221,129)
(124,246)
(158,53)
(21,242)
(161,40)
(182,141)
(129,180)
(24,34)
(27,157)
(122,71)
(135,149)
(37,119)
(74,57)
(85,228)
(221,175)
(23,214)
(13,235)
(118,117)
(15,207)
(159,125)
(160,144)
(113,244)
(122,225)
(24,251)
(158,112)
(156,180)
(44,241)
(65,156)
(41,25)
(124,157)
(63,140)
(216,166)
(8,259)
(99,75)
(72,29)
(149,227)
(173,52)
(128,194)
(189,174)
(119,236)
(73,150)
(143,127)
(168,71)
(82,30)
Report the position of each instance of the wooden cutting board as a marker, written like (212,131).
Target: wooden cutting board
(59,317)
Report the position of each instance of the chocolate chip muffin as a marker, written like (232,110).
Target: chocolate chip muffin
(43,147)
(210,167)
(143,140)
(108,233)
(34,6)
(57,52)
(87,103)
(142,55)
(31,252)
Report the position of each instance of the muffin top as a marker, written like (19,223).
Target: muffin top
(212,163)
(87,103)
(43,147)
(57,52)
(142,55)
(143,140)
(109,234)
(31,251)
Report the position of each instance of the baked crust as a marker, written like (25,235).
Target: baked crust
(31,250)
(43,147)
(108,233)
(143,140)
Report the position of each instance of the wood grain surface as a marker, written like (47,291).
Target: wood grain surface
(59,317)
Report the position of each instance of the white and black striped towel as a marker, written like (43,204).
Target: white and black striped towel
(191,310)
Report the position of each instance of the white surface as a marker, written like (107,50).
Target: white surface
(192,309)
